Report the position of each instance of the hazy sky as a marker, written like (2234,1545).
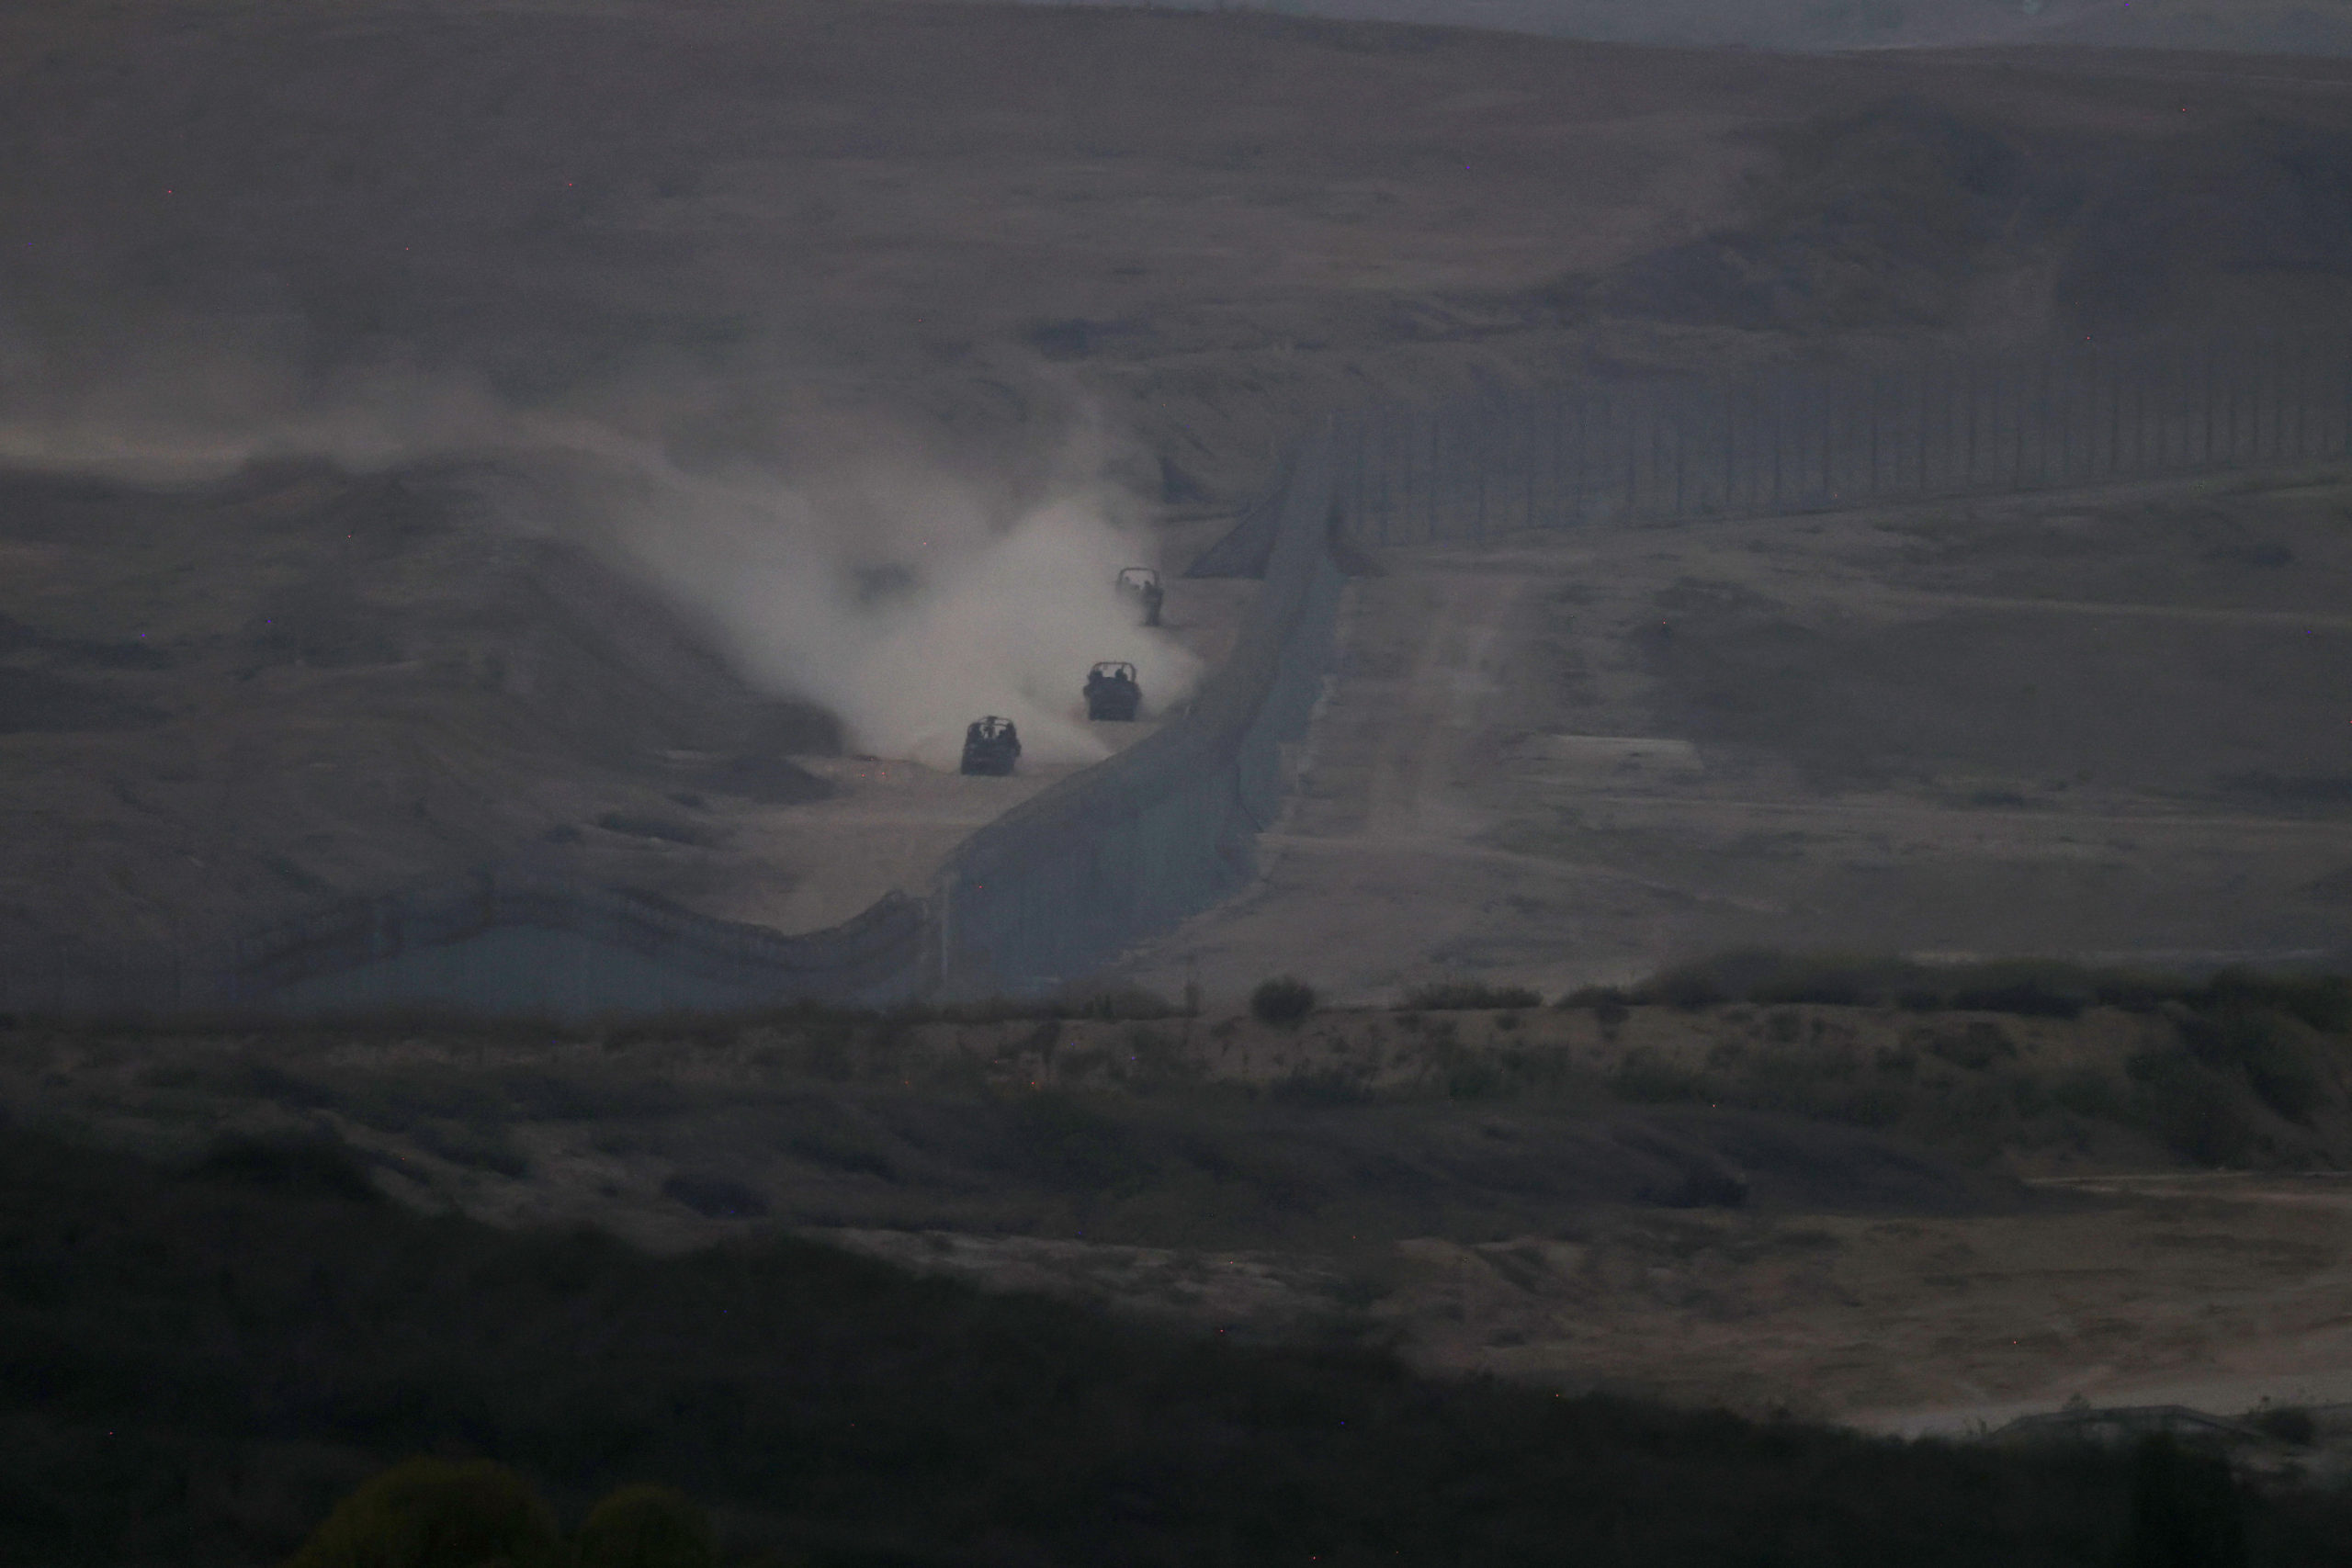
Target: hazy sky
(2321,27)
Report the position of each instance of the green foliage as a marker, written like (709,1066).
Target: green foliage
(432,1513)
(645,1527)
(1284,1002)
(2186,1510)
(1467,996)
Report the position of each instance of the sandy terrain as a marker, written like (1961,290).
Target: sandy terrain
(222,705)
(821,237)
(2093,725)
(832,239)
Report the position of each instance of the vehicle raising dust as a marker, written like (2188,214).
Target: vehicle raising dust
(1141,583)
(991,745)
(1112,693)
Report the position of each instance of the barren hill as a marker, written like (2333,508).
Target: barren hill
(1010,248)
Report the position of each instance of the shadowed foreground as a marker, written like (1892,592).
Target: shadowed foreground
(195,1365)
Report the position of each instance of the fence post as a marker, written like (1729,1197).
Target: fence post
(2300,368)
(1582,449)
(1969,395)
(2344,396)
(2113,386)
(1775,416)
(1877,396)
(2062,412)
(1622,419)
(1555,433)
(1480,455)
(2173,449)
(1917,402)
(1435,477)
(2212,394)
(1724,397)
(1825,403)
(1681,440)
(2238,378)
(1661,411)
(2017,422)
(1527,455)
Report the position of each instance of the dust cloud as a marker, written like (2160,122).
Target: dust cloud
(907,599)
(908,605)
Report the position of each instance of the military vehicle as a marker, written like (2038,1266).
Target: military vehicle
(990,746)
(1141,583)
(1112,693)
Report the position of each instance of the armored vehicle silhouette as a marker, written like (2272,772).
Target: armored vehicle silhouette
(990,746)
(1141,583)
(1112,693)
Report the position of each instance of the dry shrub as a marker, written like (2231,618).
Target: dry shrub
(646,1527)
(433,1513)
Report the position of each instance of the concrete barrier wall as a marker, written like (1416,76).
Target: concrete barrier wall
(1061,884)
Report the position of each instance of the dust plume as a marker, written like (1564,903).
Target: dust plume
(907,603)
(904,597)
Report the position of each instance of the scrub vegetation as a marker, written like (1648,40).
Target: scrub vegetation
(199,1364)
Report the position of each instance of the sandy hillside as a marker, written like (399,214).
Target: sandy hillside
(1010,249)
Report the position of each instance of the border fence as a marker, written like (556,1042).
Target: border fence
(1051,890)
(1804,440)
(1130,848)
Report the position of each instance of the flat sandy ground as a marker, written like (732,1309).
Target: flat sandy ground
(890,825)
(2112,726)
